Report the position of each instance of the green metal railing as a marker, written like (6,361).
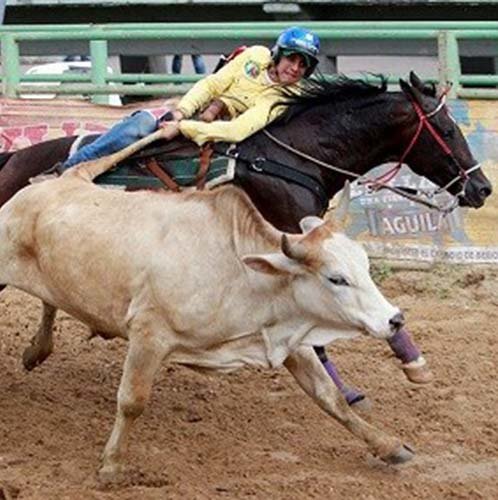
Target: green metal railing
(99,82)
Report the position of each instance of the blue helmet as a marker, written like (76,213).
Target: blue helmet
(297,40)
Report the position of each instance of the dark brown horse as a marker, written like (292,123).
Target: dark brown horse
(347,124)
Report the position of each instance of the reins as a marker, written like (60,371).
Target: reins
(381,181)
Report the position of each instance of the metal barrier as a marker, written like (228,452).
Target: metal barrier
(447,36)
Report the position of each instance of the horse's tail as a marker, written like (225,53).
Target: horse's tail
(4,158)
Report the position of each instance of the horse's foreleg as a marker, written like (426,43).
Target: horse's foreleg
(352,395)
(42,343)
(311,376)
(413,363)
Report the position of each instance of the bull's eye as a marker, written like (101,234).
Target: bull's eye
(338,280)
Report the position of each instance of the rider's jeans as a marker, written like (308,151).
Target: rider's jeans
(122,134)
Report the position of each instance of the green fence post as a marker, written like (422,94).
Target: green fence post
(98,53)
(449,62)
(10,66)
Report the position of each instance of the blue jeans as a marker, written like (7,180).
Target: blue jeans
(197,61)
(120,135)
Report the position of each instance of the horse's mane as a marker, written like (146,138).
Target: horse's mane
(314,92)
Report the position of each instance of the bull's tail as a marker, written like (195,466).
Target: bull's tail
(89,170)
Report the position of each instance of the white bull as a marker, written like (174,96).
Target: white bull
(199,279)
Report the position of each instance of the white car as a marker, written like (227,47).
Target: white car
(62,67)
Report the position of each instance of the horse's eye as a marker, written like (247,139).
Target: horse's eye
(448,134)
(338,280)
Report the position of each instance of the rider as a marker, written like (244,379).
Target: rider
(246,90)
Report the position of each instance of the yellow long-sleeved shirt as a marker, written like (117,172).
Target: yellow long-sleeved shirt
(245,88)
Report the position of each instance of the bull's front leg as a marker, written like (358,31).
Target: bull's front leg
(145,354)
(42,344)
(312,377)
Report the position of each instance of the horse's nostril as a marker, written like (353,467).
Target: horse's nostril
(397,321)
(485,192)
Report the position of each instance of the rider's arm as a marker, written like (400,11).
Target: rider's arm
(235,130)
(214,85)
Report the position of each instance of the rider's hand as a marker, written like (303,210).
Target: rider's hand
(169,125)
(169,129)
(177,115)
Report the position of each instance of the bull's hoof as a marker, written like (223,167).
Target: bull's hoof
(404,454)
(418,374)
(111,474)
(34,356)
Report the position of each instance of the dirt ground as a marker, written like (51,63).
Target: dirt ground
(254,434)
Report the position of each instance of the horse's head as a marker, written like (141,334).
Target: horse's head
(436,148)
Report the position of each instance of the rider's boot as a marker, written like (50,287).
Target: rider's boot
(352,395)
(119,136)
(413,363)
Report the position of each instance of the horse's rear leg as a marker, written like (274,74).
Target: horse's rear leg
(353,396)
(42,343)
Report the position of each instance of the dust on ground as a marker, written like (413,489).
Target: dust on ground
(253,433)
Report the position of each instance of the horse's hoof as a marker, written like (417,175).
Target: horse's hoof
(404,454)
(360,403)
(353,396)
(418,374)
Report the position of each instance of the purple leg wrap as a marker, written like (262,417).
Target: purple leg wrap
(352,395)
(403,347)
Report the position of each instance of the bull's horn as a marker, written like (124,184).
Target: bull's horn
(340,213)
(297,251)
(309,223)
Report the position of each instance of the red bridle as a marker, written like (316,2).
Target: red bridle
(423,122)
(381,182)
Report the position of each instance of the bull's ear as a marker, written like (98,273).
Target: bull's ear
(272,263)
(309,223)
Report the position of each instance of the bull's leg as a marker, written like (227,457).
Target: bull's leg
(145,353)
(312,377)
(42,343)
(413,363)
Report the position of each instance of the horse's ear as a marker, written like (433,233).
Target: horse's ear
(411,92)
(428,89)
(405,87)
(416,81)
